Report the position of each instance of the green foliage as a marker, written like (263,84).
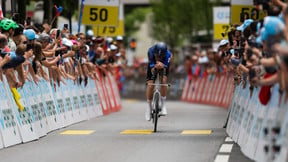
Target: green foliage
(178,20)
(133,19)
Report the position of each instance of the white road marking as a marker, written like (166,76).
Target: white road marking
(228,139)
(222,158)
(226,148)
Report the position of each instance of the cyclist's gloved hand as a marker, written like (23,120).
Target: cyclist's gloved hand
(159,65)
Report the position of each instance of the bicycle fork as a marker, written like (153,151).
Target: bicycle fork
(156,109)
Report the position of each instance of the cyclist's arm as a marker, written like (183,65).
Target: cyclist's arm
(167,59)
(151,59)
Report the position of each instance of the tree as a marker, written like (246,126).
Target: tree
(133,19)
(48,8)
(178,20)
(69,7)
(166,22)
(22,10)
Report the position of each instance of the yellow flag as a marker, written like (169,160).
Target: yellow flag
(17,97)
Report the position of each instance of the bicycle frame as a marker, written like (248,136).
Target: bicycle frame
(156,101)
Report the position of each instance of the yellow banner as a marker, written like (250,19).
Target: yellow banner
(101,15)
(219,29)
(109,31)
(249,11)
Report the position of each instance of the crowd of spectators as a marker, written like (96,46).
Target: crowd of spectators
(31,52)
(256,51)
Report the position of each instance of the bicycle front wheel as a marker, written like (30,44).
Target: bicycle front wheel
(156,111)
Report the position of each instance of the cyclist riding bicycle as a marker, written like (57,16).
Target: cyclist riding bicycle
(159,57)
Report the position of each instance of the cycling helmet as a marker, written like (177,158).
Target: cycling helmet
(160,49)
(7,24)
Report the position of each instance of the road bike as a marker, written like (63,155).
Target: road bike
(156,101)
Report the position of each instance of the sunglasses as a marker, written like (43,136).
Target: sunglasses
(24,42)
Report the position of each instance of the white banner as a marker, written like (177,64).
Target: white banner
(102,2)
(241,2)
(221,15)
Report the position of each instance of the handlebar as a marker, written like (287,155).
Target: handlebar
(157,84)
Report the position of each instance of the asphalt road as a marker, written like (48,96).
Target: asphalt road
(125,136)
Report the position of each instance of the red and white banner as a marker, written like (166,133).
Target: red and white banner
(215,91)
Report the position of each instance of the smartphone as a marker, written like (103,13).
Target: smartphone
(58,33)
(252,74)
(3,54)
(29,47)
(28,21)
(16,17)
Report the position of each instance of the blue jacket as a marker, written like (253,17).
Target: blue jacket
(152,60)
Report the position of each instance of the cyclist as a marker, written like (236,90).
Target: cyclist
(159,57)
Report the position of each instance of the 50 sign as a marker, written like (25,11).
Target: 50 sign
(248,12)
(100,15)
(103,14)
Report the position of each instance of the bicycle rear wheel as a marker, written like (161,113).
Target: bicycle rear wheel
(156,111)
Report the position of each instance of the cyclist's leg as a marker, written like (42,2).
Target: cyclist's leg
(149,93)
(163,91)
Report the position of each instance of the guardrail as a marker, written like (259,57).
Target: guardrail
(48,108)
(216,90)
(261,131)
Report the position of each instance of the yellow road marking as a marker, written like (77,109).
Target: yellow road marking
(137,132)
(197,132)
(77,132)
(131,100)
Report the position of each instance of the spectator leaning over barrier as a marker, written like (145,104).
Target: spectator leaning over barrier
(82,67)
(203,62)
(188,67)
(119,41)
(30,39)
(211,65)
(5,58)
(99,58)
(81,37)
(195,69)
(92,50)
(8,27)
(272,36)
(68,53)
(18,35)
(17,59)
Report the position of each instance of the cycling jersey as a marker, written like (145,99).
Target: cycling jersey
(151,58)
